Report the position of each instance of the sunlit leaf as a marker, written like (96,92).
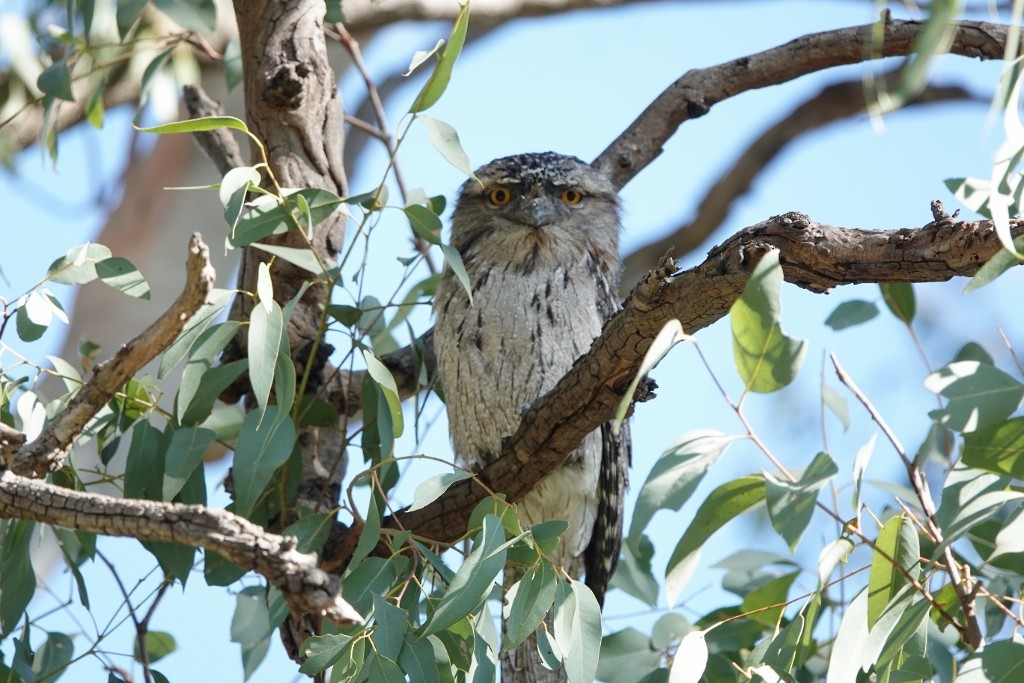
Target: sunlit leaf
(445,140)
(690,659)
(431,488)
(897,548)
(120,274)
(980,395)
(676,474)
(577,630)
(528,601)
(473,580)
(668,336)
(202,125)
(766,358)
(438,81)
(999,448)
(723,504)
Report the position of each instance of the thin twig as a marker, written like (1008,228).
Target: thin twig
(973,637)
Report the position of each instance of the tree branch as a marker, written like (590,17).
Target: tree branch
(833,103)
(48,451)
(813,255)
(696,91)
(307,588)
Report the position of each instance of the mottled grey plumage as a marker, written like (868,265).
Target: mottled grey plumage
(539,236)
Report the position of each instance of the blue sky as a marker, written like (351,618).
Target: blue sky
(572,83)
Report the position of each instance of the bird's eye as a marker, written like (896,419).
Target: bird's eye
(500,196)
(572,197)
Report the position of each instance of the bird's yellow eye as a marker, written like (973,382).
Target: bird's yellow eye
(572,197)
(500,196)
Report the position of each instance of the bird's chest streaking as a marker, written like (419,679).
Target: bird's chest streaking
(518,339)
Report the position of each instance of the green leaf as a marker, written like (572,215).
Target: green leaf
(55,80)
(202,355)
(311,531)
(120,274)
(980,395)
(198,16)
(144,466)
(197,325)
(969,497)
(897,542)
(53,657)
(159,644)
(152,69)
(424,659)
(832,554)
(438,81)
(200,398)
(382,376)
(473,580)
(723,504)
(78,265)
(577,630)
(676,474)
(17,579)
(690,660)
(260,450)
(454,261)
(998,449)
(303,258)
(392,625)
(234,188)
(431,488)
(850,313)
(266,326)
(668,336)
(268,216)
(251,620)
(528,600)
(321,652)
(94,108)
(1000,262)
(766,603)
(836,403)
(232,63)
(184,454)
(373,576)
(766,358)
(626,657)
(369,537)
(424,222)
(28,331)
(445,140)
(899,297)
(634,574)
(844,662)
(791,505)
(205,124)
(127,12)
(1001,661)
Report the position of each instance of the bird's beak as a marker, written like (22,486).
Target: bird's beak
(539,212)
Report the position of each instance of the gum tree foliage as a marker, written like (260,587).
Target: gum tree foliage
(368,591)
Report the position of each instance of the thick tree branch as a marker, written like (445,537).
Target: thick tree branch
(696,91)
(813,255)
(49,450)
(833,103)
(307,588)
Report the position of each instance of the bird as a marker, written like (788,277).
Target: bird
(538,234)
